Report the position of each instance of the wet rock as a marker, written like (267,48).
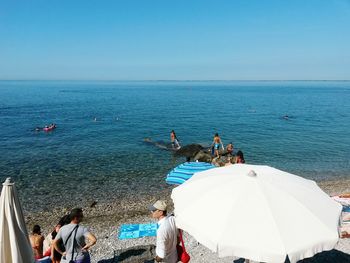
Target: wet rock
(203,156)
(189,150)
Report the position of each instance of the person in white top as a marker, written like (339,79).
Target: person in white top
(167,234)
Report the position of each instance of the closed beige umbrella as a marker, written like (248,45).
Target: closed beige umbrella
(14,241)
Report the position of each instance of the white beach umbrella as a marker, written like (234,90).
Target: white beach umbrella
(257,212)
(14,241)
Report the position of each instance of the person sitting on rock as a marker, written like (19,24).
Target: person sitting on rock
(229,149)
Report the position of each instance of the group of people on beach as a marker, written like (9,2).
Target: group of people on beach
(66,242)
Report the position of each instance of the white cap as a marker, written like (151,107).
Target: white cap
(159,205)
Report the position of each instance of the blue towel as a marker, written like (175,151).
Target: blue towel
(346,209)
(138,230)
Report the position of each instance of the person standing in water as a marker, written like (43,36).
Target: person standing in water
(174,141)
(216,144)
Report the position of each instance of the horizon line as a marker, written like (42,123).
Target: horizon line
(176,80)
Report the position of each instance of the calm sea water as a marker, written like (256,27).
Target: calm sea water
(107,158)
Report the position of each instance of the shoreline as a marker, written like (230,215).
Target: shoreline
(104,219)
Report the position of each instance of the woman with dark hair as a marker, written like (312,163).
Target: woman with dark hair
(240,157)
(48,247)
(37,240)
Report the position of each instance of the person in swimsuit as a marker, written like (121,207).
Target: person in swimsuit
(37,240)
(174,140)
(217,143)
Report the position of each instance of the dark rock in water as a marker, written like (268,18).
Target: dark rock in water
(189,150)
(203,156)
(137,254)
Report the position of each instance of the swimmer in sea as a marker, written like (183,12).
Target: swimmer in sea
(174,140)
(217,143)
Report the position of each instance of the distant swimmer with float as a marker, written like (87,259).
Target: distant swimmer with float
(174,140)
(47,128)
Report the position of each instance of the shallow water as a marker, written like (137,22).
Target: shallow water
(107,158)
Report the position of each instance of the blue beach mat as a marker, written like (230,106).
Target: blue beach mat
(346,209)
(138,230)
(185,171)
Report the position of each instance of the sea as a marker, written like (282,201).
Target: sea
(98,150)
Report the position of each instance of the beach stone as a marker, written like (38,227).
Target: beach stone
(136,254)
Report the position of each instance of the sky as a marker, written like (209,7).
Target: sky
(175,40)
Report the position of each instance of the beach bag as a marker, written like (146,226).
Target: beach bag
(182,255)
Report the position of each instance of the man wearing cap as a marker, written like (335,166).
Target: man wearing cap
(166,233)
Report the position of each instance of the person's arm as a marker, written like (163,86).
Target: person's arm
(92,240)
(57,248)
(160,247)
(158,259)
(55,243)
(52,250)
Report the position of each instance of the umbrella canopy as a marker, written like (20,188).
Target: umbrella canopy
(183,172)
(257,212)
(14,241)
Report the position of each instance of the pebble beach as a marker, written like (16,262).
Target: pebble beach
(105,218)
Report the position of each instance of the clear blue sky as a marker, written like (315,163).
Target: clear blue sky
(179,39)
